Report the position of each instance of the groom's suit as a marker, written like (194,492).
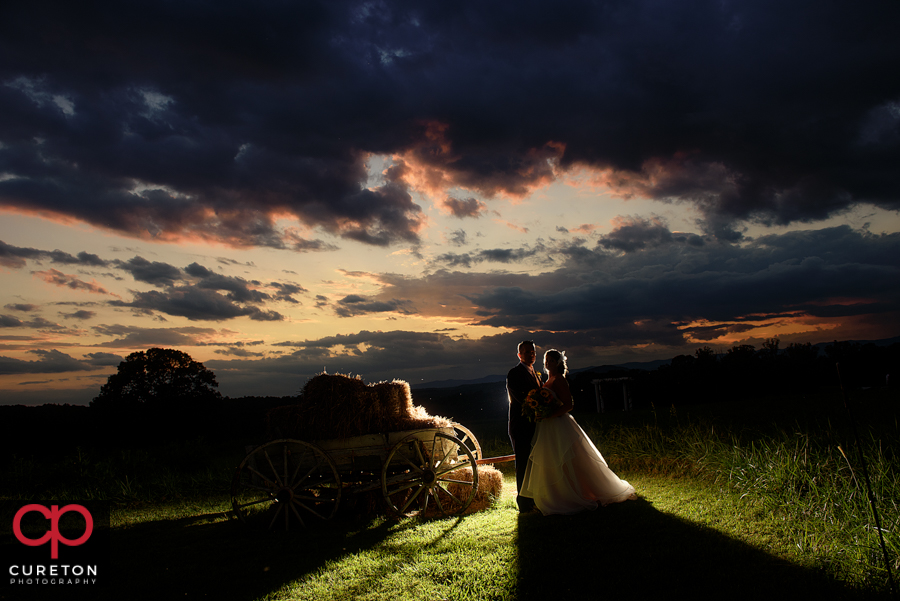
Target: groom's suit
(519,381)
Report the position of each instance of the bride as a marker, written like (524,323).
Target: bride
(566,473)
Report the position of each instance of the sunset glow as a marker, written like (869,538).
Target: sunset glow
(292,197)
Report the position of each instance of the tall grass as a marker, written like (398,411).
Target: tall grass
(134,476)
(807,473)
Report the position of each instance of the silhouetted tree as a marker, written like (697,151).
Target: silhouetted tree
(705,356)
(769,351)
(801,354)
(158,379)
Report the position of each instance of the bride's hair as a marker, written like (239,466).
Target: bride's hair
(557,358)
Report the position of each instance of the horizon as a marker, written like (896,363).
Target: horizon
(494,378)
(347,187)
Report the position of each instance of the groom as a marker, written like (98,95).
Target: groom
(519,381)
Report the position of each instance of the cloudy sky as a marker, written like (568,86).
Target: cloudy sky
(407,189)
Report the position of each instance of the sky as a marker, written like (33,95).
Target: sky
(407,190)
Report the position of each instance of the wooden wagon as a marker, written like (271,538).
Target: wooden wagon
(417,471)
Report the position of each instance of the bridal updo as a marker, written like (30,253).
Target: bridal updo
(557,358)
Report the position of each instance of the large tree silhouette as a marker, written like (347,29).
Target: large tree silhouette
(164,379)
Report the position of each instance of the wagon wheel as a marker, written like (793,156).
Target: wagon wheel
(466,437)
(441,472)
(285,478)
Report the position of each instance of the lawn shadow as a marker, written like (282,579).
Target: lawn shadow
(208,557)
(632,550)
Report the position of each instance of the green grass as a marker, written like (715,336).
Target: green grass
(733,505)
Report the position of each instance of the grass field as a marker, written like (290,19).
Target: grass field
(735,503)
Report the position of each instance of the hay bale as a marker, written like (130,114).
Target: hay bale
(340,406)
(490,485)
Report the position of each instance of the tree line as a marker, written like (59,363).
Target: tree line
(744,372)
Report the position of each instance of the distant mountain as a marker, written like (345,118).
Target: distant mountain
(643,365)
(455,383)
(646,365)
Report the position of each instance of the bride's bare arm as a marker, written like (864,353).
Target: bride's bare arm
(561,387)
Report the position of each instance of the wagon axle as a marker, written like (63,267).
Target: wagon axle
(284,495)
(429,478)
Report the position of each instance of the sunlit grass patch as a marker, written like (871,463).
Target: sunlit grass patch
(473,557)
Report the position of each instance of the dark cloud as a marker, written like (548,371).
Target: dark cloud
(40,323)
(238,352)
(491,255)
(143,338)
(355,304)
(457,238)
(80,314)
(238,289)
(103,359)
(836,271)
(668,286)
(286,291)
(14,257)
(194,292)
(630,235)
(48,362)
(37,323)
(470,207)
(26,307)
(197,303)
(751,111)
(151,272)
(10,321)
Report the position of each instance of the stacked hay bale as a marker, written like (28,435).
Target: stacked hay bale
(340,406)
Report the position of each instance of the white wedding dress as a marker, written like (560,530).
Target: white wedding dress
(566,473)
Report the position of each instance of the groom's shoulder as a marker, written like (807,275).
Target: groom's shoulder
(514,370)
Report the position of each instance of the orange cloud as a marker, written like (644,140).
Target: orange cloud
(58,278)
(512,226)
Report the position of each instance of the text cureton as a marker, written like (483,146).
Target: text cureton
(52,570)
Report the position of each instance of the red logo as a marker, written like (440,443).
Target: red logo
(53,535)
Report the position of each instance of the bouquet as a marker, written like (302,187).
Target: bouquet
(540,403)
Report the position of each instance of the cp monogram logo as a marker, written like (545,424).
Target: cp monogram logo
(53,535)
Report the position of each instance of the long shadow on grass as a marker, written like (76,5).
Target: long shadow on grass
(209,558)
(633,551)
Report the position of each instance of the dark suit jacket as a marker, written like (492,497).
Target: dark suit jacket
(518,384)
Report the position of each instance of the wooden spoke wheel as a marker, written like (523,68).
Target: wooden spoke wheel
(425,475)
(466,437)
(285,481)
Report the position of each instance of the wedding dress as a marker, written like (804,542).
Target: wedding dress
(566,473)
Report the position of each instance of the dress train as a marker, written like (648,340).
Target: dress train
(566,473)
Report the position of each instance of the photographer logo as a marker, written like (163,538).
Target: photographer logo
(53,514)
(55,543)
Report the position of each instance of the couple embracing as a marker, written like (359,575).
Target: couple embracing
(558,468)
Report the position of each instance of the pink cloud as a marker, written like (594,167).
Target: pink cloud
(58,278)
